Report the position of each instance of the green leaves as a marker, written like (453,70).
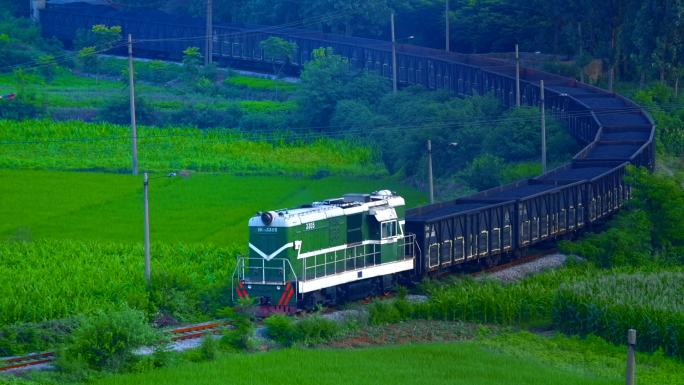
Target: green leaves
(607,306)
(106,340)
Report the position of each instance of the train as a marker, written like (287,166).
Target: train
(325,252)
(360,243)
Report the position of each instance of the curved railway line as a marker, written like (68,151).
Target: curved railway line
(484,227)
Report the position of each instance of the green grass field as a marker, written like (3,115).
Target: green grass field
(450,363)
(207,208)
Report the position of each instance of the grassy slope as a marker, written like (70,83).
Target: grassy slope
(452,363)
(211,208)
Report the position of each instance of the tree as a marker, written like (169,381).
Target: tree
(483,172)
(322,85)
(88,61)
(191,62)
(100,37)
(278,50)
(663,199)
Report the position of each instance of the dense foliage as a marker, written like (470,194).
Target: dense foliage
(309,330)
(466,133)
(607,306)
(666,109)
(188,282)
(106,340)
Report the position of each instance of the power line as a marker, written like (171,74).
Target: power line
(307,134)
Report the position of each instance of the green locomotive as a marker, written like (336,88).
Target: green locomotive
(324,252)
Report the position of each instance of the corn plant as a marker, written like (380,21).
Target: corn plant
(651,303)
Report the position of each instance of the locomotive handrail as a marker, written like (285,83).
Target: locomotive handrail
(239,270)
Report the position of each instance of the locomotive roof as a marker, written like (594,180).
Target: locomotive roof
(381,204)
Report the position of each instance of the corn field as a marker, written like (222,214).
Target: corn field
(490,301)
(651,303)
(75,145)
(52,279)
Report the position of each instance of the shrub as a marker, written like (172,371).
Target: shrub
(207,351)
(118,111)
(105,340)
(384,312)
(316,329)
(240,336)
(33,337)
(24,106)
(281,329)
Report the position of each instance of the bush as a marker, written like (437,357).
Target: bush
(105,341)
(384,312)
(24,106)
(309,331)
(240,336)
(316,329)
(205,116)
(207,351)
(281,329)
(118,111)
(34,337)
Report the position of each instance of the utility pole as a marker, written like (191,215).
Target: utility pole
(147,232)
(394,55)
(631,343)
(131,87)
(543,126)
(432,189)
(581,51)
(517,76)
(446,16)
(209,43)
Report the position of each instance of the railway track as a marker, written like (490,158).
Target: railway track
(178,334)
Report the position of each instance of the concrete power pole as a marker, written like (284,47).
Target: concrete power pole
(447,26)
(147,232)
(432,189)
(631,343)
(517,76)
(394,55)
(209,44)
(131,87)
(543,126)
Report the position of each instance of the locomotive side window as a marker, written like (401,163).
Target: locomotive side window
(388,229)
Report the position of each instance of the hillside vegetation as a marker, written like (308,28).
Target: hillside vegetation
(74,145)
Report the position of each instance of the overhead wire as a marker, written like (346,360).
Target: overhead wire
(308,134)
